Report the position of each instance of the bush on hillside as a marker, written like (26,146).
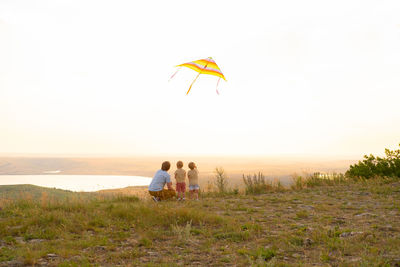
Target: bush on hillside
(255,184)
(221,180)
(372,166)
(258,184)
(317,179)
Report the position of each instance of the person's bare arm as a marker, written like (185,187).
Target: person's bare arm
(169,185)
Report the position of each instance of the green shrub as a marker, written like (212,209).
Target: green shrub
(256,184)
(145,242)
(372,166)
(6,254)
(182,232)
(317,179)
(221,180)
(264,254)
(296,241)
(298,182)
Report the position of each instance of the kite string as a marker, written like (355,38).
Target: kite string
(174,74)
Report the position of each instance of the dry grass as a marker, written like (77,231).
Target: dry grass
(348,224)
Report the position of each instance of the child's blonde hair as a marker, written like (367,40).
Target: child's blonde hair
(191,165)
(179,164)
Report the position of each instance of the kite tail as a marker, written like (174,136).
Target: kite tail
(174,73)
(216,88)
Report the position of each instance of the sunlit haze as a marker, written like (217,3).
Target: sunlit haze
(303,77)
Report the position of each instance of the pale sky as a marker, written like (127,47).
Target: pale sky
(304,77)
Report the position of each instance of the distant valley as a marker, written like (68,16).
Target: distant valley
(273,167)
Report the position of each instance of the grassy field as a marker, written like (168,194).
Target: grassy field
(344,223)
(27,191)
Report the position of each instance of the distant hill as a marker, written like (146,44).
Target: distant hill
(81,166)
(35,192)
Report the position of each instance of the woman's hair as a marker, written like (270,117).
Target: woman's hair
(191,165)
(179,164)
(165,166)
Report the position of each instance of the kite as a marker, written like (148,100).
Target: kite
(202,66)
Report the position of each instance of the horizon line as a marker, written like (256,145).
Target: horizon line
(160,155)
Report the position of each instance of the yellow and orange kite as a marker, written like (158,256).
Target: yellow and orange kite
(202,66)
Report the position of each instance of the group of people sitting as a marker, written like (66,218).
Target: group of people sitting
(162,178)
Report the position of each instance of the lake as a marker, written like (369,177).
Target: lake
(78,183)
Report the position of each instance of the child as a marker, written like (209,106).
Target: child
(193,176)
(180,175)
